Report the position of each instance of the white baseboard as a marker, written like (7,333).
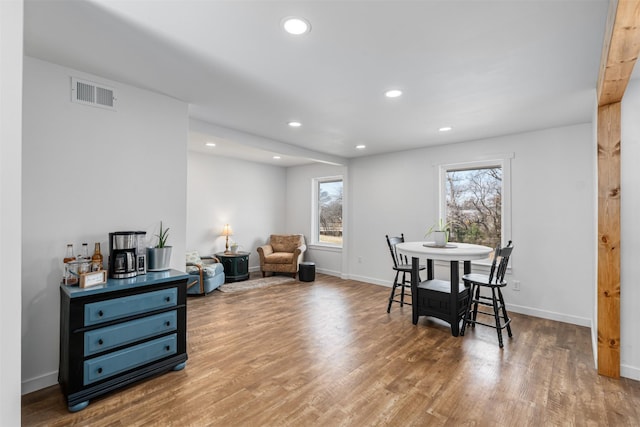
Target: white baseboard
(40,382)
(551,315)
(630,372)
(530,311)
(329,272)
(371,280)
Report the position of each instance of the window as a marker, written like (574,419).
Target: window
(475,201)
(327,220)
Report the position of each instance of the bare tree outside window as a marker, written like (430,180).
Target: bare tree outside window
(330,212)
(474,205)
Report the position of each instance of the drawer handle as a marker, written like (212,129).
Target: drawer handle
(167,323)
(100,342)
(100,313)
(167,299)
(99,370)
(167,348)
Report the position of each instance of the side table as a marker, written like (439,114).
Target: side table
(307,271)
(236,265)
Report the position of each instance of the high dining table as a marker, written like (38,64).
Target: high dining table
(438,298)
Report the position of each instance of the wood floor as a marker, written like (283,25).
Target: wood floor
(326,353)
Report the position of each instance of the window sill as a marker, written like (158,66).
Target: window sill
(326,248)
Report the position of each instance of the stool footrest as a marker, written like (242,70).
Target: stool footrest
(475,322)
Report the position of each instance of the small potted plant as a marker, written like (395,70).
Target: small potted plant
(159,257)
(440,233)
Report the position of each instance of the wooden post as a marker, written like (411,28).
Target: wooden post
(609,240)
(620,52)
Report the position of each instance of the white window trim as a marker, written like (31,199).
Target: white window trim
(502,160)
(325,247)
(315,184)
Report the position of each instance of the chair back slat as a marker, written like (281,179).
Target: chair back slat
(392,242)
(493,263)
(503,255)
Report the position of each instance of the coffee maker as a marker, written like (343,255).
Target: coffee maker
(122,255)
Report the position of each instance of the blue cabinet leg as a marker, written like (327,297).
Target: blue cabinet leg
(179,366)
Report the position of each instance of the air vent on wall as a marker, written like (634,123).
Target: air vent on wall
(94,94)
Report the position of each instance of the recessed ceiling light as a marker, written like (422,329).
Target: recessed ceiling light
(445,129)
(393,93)
(276,157)
(210,144)
(295,124)
(296,25)
(361,146)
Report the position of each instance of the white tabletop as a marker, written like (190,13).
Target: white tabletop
(453,252)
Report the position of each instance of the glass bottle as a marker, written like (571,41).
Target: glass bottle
(96,259)
(84,254)
(68,278)
(69,256)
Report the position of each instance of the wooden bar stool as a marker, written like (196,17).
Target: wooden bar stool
(400,265)
(494,281)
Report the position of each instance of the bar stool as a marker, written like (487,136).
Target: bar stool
(400,265)
(494,281)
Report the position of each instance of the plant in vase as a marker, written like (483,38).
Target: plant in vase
(159,257)
(440,232)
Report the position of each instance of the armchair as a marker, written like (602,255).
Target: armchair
(205,276)
(282,254)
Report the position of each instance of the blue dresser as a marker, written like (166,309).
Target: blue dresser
(114,334)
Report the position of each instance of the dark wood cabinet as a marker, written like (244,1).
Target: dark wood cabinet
(118,333)
(236,265)
(446,300)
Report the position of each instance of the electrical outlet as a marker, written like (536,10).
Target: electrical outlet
(516,285)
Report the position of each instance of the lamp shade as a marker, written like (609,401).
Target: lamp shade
(227,231)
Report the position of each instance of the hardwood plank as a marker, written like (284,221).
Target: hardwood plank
(326,353)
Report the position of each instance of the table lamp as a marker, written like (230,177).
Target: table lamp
(226,231)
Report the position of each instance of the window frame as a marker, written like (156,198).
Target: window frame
(503,161)
(315,212)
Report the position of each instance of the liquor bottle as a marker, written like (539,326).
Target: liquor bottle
(68,278)
(69,255)
(96,259)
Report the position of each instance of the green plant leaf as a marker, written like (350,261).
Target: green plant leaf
(162,236)
(439,226)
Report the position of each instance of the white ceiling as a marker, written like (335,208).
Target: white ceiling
(486,68)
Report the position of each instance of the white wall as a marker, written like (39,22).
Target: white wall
(298,214)
(11,23)
(88,171)
(630,233)
(248,196)
(552,214)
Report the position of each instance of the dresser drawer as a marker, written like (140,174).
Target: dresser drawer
(118,308)
(128,332)
(119,361)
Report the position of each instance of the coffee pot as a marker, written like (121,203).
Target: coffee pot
(122,255)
